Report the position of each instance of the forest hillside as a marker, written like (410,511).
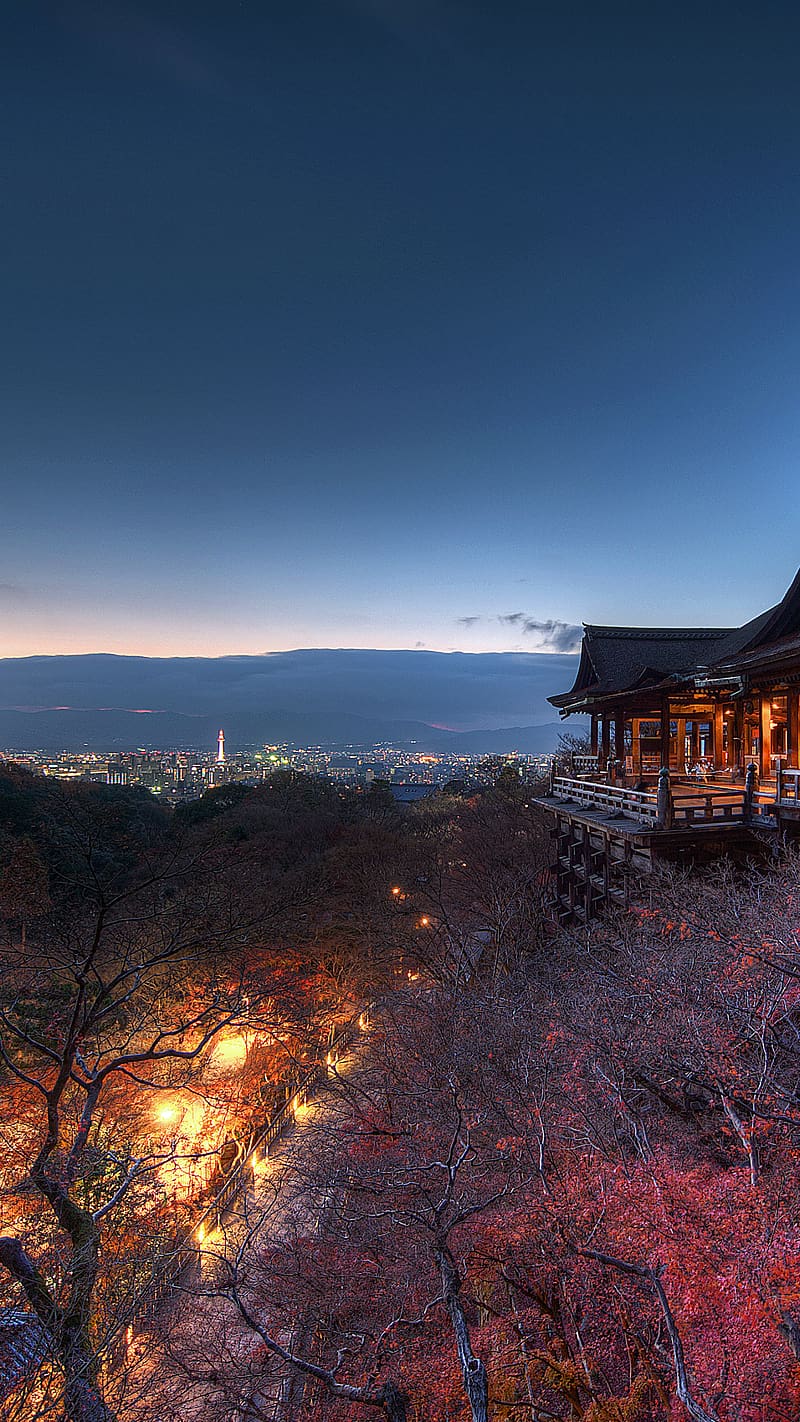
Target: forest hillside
(310,1111)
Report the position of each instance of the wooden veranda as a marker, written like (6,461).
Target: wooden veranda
(607,834)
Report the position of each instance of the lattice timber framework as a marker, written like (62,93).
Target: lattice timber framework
(594,867)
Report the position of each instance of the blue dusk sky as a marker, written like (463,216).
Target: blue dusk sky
(395,323)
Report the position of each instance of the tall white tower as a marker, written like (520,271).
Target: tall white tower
(221,748)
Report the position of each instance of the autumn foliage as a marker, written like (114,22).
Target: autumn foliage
(558,1180)
(605,1142)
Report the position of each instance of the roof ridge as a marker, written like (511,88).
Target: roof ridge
(657,633)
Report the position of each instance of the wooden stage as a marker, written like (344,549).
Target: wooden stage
(607,836)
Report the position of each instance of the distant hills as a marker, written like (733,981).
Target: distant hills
(124,730)
(469,702)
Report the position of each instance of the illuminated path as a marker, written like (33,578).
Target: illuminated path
(177,1369)
(174,1368)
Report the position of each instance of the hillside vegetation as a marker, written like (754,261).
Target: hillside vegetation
(560,1182)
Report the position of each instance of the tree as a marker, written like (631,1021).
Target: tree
(403,1159)
(24,888)
(129,981)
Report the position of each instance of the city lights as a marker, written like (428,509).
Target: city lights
(178,775)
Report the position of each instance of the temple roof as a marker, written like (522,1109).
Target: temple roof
(623,659)
(775,625)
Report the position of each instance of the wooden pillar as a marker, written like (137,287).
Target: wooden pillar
(664,802)
(606,742)
(765,735)
(695,751)
(719,757)
(749,790)
(736,753)
(619,738)
(593,743)
(665,723)
(682,745)
(729,724)
(792,725)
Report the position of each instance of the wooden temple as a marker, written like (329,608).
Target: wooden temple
(684,696)
(695,741)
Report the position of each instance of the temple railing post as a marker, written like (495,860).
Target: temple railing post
(665,805)
(750,779)
(779,781)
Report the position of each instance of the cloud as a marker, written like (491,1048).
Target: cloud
(550,634)
(12,593)
(559,636)
(419,644)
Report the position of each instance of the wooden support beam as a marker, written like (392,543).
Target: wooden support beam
(736,749)
(681,745)
(695,754)
(594,733)
(719,757)
(619,739)
(606,737)
(792,725)
(727,736)
(665,738)
(765,734)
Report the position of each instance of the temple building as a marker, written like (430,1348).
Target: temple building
(695,753)
(693,699)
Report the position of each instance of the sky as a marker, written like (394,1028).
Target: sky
(395,323)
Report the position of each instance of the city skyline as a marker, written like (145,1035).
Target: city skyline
(369,324)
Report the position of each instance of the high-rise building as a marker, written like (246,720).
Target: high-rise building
(221,748)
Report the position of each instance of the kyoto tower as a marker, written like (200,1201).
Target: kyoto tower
(221,748)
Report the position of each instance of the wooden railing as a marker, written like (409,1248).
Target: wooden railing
(703,806)
(663,808)
(240,1177)
(787,786)
(584,764)
(639,804)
